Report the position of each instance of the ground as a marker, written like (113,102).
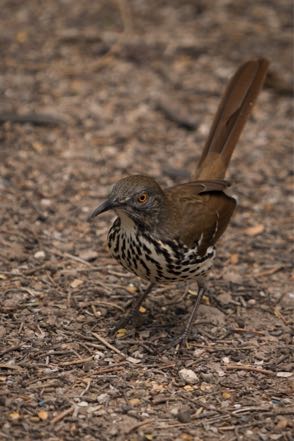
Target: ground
(92,92)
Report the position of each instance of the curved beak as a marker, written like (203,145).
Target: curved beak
(105,206)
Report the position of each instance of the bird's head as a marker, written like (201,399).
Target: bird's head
(138,197)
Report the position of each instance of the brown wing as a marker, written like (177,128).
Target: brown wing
(201,212)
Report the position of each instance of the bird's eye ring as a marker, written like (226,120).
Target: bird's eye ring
(142,198)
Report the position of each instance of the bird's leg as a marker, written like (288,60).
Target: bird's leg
(181,341)
(134,308)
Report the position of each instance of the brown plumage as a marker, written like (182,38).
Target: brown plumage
(169,235)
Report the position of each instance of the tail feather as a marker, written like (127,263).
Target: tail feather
(231,116)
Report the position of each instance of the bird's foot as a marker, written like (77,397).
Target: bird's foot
(180,343)
(124,321)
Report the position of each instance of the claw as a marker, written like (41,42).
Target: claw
(124,321)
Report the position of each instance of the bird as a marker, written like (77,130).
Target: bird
(169,235)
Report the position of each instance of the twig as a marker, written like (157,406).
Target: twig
(88,384)
(280,298)
(208,414)
(45,266)
(11,349)
(214,348)
(81,361)
(83,270)
(281,412)
(172,426)
(246,367)
(109,345)
(247,331)
(128,358)
(11,273)
(138,425)
(10,366)
(62,415)
(270,271)
(51,384)
(72,257)
(108,370)
(20,289)
(119,274)
(251,409)
(238,426)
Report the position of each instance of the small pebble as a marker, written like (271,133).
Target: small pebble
(99,355)
(40,255)
(198,352)
(83,404)
(46,202)
(188,376)
(174,411)
(284,374)
(225,298)
(103,398)
(184,415)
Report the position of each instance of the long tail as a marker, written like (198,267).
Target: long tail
(231,116)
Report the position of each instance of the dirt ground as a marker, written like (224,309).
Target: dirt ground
(91,92)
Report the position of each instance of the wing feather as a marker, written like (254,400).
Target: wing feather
(201,214)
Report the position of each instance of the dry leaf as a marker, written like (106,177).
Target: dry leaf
(133,360)
(206,300)
(88,255)
(227,395)
(255,230)
(234,259)
(134,402)
(188,388)
(206,387)
(121,332)
(43,415)
(75,283)
(158,387)
(132,289)
(14,416)
(21,37)
(186,437)
(282,423)
(277,311)
(38,146)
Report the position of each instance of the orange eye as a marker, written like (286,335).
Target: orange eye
(142,198)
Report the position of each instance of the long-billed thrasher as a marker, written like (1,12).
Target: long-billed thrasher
(169,235)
